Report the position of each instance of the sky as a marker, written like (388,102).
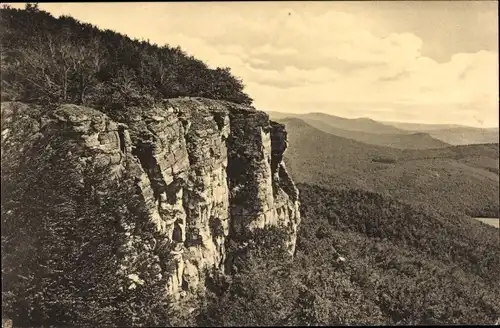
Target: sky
(412,61)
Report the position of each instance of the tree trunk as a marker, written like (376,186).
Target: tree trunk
(65,85)
(82,89)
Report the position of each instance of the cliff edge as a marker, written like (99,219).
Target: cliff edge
(204,171)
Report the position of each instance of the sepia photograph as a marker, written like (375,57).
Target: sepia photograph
(250,163)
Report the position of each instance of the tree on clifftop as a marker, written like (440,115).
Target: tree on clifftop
(62,60)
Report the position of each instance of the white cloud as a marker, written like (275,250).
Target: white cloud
(292,59)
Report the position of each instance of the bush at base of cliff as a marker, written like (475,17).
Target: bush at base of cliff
(260,291)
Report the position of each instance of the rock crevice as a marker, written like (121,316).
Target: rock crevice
(206,171)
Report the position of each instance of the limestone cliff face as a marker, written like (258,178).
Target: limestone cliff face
(206,171)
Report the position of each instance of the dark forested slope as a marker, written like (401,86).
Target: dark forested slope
(61,60)
(363,258)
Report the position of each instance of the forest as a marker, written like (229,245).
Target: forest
(361,259)
(364,259)
(50,60)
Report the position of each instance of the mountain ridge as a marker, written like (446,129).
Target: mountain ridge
(415,140)
(441,133)
(451,178)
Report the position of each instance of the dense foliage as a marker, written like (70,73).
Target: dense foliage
(365,259)
(61,60)
(59,262)
(457,240)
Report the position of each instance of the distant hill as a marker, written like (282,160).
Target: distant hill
(391,134)
(279,115)
(366,125)
(403,141)
(453,179)
(452,134)
(466,136)
(422,126)
(358,129)
(357,124)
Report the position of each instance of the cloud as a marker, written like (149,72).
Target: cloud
(297,57)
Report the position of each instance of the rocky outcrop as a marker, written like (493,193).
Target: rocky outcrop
(206,171)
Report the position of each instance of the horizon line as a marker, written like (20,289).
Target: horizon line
(391,121)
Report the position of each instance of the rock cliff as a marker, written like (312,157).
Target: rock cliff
(206,171)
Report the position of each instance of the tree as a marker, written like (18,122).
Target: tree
(49,60)
(88,60)
(32,7)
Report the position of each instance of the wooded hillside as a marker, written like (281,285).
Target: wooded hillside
(61,60)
